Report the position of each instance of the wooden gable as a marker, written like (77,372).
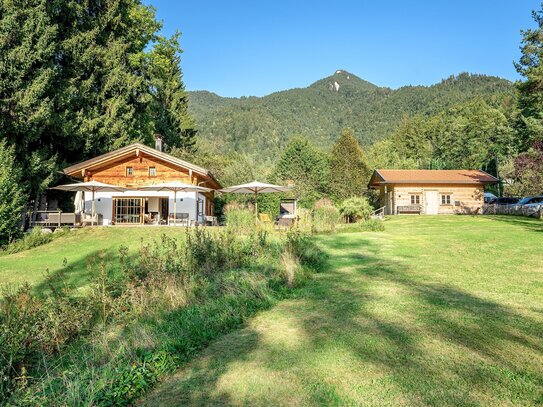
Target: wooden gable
(111,168)
(116,173)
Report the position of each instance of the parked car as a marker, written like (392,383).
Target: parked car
(489,196)
(530,201)
(504,200)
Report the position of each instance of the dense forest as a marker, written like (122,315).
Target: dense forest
(79,79)
(322,110)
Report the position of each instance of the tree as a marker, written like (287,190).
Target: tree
(530,66)
(306,167)
(349,173)
(12,198)
(528,171)
(29,77)
(169,107)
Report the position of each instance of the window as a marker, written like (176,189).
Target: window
(415,199)
(129,171)
(445,199)
(152,171)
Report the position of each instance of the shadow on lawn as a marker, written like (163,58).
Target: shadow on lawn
(75,275)
(444,346)
(532,224)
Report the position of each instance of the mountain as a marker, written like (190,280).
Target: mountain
(263,125)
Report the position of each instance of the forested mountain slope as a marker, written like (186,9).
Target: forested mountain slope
(320,111)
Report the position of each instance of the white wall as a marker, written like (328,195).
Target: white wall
(186,202)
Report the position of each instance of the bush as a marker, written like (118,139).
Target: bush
(356,209)
(372,225)
(33,239)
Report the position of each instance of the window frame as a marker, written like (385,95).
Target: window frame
(131,169)
(446,199)
(152,168)
(416,198)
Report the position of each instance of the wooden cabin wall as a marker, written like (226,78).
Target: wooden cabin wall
(469,197)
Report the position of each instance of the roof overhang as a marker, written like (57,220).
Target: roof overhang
(377,179)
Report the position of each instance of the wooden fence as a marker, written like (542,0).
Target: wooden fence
(532,211)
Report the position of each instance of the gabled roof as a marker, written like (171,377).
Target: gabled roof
(430,177)
(76,169)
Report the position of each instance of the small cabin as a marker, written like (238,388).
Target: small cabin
(431,192)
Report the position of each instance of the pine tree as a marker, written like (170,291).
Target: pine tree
(306,167)
(169,107)
(349,173)
(28,81)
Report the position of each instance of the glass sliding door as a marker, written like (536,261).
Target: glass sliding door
(128,210)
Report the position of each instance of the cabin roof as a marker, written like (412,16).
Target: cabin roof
(383,176)
(77,169)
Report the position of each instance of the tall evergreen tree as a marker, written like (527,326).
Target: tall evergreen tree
(349,173)
(169,106)
(530,66)
(306,167)
(29,76)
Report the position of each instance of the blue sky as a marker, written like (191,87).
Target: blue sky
(237,48)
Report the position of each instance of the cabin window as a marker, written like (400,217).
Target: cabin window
(445,199)
(415,199)
(152,171)
(129,171)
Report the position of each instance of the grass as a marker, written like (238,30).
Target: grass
(77,247)
(433,311)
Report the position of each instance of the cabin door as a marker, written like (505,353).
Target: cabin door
(431,202)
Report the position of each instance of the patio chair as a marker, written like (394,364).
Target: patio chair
(87,219)
(211,221)
(180,218)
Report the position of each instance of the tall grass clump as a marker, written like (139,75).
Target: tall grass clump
(239,218)
(326,216)
(142,320)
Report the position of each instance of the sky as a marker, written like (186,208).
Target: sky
(244,48)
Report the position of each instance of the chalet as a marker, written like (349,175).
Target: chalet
(138,165)
(431,192)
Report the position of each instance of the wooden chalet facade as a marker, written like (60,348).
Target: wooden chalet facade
(138,165)
(431,192)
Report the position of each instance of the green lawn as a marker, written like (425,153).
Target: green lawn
(77,247)
(433,311)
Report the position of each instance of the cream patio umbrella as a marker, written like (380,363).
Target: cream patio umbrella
(91,186)
(255,188)
(176,187)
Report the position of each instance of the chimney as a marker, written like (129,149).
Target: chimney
(158,142)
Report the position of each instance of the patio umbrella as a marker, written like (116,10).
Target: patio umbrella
(255,188)
(79,202)
(91,186)
(176,187)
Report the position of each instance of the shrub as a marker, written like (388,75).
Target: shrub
(33,239)
(355,209)
(372,225)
